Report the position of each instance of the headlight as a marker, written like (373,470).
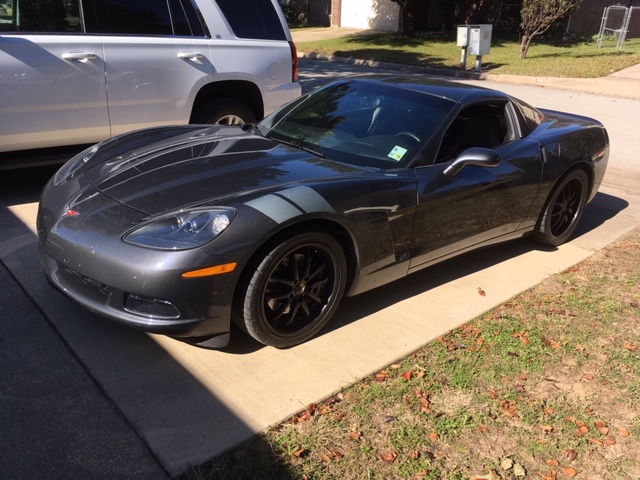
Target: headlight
(182,230)
(67,171)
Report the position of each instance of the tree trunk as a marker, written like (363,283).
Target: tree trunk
(408,27)
(524,45)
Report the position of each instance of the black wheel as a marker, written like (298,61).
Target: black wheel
(563,210)
(294,290)
(223,111)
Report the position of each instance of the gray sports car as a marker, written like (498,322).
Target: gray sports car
(181,230)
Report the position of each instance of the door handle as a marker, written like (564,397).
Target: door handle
(190,55)
(79,56)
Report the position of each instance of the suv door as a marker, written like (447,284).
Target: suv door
(51,77)
(152,79)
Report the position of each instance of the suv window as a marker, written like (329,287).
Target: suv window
(143,17)
(186,21)
(40,16)
(252,19)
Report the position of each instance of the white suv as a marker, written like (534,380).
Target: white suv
(74,72)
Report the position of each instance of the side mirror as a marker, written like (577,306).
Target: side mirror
(477,156)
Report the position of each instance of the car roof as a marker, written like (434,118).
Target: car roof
(457,92)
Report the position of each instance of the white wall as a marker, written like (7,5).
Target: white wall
(372,14)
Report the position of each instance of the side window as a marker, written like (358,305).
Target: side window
(186,21)
(41,16)
(530,118)
(252,19)
(142,17)
(483,125)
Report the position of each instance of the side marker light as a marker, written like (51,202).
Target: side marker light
(211,271)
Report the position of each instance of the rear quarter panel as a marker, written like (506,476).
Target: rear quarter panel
(572,141)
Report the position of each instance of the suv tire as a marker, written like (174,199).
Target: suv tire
(224,111)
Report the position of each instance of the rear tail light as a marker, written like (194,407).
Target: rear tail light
(294,62)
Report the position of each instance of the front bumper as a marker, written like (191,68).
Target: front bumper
(143,312)
(85,258)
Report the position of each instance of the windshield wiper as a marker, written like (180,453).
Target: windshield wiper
(298,145)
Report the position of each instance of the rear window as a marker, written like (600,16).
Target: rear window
(255,19)
(530,117)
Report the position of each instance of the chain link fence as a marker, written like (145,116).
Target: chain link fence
(618,24)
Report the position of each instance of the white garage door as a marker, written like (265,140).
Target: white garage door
(373,14)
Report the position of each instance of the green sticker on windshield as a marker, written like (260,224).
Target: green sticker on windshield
(397,153)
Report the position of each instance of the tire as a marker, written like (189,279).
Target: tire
(563,210)
(224,111)
(294,291)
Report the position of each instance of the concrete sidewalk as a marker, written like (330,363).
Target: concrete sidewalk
(624,84)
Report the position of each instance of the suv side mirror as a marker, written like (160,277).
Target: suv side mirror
(477,156)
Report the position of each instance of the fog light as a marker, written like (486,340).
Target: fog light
(150,307)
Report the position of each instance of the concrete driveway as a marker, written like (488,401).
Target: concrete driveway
(188,404)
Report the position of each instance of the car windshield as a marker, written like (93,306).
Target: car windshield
(360,122)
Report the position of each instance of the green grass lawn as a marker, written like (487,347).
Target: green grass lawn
(575,60)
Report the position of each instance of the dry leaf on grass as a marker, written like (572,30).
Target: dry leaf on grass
(601,426)
(570,454)
(546,428)
(582,430)
(389,457)
(301,452)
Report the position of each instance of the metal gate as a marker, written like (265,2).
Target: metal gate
(614,27)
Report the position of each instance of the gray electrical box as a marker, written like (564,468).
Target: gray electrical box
(476,37)
(463,35)
(480,39)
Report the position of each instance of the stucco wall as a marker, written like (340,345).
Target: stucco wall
(373,14)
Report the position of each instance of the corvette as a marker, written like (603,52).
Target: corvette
(182,230)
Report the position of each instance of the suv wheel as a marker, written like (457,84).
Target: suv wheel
(224,111)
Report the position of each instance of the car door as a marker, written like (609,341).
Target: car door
(479,203)
(157,58)
(52,77)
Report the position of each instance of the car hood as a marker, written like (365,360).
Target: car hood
(205,166)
